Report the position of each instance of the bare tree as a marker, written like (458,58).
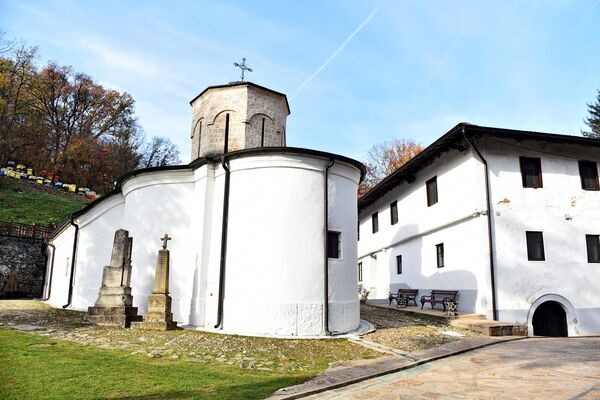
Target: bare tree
(160,152)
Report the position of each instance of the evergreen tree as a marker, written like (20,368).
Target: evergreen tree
(593,121)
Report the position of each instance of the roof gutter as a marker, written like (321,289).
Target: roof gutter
(325,255)
(224,225)
(50,271)
(73,256)
(489,224)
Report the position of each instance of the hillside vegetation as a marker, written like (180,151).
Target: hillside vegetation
(28,203)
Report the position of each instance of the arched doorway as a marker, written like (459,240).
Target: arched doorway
(550,319)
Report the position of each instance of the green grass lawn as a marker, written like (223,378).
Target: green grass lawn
(35,367)
(27,203)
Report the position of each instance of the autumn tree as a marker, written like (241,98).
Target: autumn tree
(57,119)
(384,158)
(593,121)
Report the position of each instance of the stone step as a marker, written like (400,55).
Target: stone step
(490,327)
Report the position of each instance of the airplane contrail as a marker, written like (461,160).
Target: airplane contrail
(339,49)
(450,50)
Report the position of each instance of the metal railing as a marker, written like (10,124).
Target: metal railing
(25,230)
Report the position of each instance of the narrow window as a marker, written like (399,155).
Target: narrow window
(360,276)
(375,222)
(588,170)
(531,172)
(593,248)
(394,212)
(262,134)
(439,248)
(333,244)
(399,264)
(432,193)
(535,246)
(358,231)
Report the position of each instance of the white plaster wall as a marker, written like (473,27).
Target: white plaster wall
(62,267)
(344,312)
(454,221)
(564,212)
(274,280)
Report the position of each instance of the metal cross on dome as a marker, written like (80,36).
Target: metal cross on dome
(164,239)
(243,67)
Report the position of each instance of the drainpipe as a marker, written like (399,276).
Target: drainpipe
(49,272)
(224,223)
(489,224)
(73,256)
(325,258)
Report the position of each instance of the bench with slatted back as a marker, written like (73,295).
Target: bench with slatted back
(439,297)
(408,294)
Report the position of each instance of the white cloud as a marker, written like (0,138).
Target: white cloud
(115,60)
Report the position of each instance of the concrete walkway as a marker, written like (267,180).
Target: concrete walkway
(534,368)
(358,371)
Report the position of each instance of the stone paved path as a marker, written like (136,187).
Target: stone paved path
(535,368)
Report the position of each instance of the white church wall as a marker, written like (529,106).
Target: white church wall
(274,280)
(202,224)
(156,204)
(94,250)
(455,221)
(62,267)
(344,312)
(565,213)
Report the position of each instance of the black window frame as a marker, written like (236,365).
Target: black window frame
(592,166)
(534,239)
(394,212)
(432,191)
(375,222)
(399,264)
(592,241)
(360,271)
(439,255)
(333,244)
(527,162)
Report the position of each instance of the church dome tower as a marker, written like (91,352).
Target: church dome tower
(254,116)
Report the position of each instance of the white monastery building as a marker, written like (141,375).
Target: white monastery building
(264,237)
(510,219)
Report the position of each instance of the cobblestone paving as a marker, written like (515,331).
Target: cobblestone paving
(535,368)
(185,345)
(408,332)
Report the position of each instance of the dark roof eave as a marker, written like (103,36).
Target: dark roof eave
(244,83)
(205,160)
(445,142)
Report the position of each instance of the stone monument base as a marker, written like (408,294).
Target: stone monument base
(159,315)
(114,316)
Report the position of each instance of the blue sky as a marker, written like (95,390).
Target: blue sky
(355,72)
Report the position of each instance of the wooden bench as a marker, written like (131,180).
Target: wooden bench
(406,294)
(439,297)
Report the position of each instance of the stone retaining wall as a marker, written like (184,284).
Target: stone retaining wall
(25,256)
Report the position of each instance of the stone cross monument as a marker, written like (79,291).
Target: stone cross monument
(159,315)
(115,303)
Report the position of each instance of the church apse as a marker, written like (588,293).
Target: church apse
(257,118)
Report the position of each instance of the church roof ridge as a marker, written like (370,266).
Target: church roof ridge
(240,83)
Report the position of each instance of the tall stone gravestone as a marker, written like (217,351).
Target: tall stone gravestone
(115,303)
(159,315)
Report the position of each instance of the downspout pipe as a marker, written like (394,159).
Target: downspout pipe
(49,272)
(325,255)
(224,225)
(489,225)
(73,256)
